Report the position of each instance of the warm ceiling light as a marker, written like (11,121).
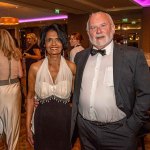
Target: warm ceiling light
(9,21)
(7,5)
(57,17)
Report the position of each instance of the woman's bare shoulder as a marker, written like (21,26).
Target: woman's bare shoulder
(35,66)
(72,66)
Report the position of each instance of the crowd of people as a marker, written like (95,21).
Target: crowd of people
(107,83)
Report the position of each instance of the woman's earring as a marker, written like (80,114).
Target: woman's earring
(62,52)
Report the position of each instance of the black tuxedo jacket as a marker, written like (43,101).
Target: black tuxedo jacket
(131,84)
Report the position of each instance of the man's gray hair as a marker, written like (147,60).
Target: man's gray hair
(100,12)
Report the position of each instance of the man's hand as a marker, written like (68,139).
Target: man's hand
(36,103)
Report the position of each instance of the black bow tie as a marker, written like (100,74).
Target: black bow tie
(94,52)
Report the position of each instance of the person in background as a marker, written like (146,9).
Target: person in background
(50,82)
(31,54)
(10,92)
(112,90)
(23,93)
(75,42)
(118,39)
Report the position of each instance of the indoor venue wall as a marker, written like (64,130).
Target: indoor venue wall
(77,23)
(146,29)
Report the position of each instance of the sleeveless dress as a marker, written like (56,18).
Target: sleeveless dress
(10,100)
(53,115)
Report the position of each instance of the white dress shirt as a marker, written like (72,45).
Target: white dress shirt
(97,100)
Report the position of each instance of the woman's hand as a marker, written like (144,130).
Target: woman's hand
(26,55)
(30,137)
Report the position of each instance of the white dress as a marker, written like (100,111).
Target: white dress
(53,115)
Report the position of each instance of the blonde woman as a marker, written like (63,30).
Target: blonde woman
(10,94)
(32,53)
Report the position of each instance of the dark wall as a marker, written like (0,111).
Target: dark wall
(77,23)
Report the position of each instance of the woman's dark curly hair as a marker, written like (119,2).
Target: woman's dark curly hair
(61,35)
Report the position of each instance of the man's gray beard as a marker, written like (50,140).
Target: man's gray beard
(94,42)
(99,45)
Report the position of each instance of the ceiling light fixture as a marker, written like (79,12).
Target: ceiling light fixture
(143,3)
(9,21)
(58,17)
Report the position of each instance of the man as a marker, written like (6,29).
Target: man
(112,90)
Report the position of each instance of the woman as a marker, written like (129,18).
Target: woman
(10,94)
(50,81)
(75,42)
(32,53)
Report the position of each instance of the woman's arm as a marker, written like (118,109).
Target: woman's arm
(30,101)
(36,56)
(37,53)
(20,71)
(72,67)
(74,73)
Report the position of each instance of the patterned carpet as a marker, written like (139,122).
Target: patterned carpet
(147,143)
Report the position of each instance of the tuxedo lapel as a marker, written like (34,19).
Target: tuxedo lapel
(117,66)
(81,65)
(80,62)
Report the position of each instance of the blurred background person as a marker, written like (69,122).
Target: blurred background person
(118,39)
(75,42)
(51,82)
(22,80)
(10,93)
(31,54)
